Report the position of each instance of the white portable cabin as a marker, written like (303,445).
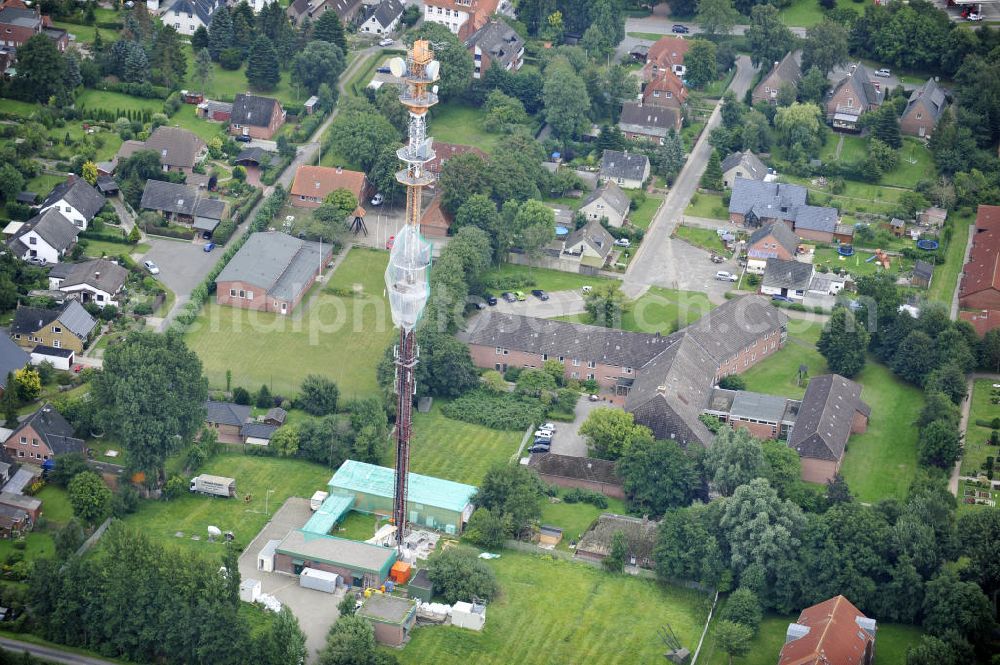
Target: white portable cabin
(249,590)
(320,580)
(468,615)
(265,560)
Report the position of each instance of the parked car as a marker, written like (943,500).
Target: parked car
(777,298)
(884,73)
(594,398)
(539,449)
(623,242)
(680,29)
(382,70)
(548,427)
(378,199)
(386,42)
(509,297)
(36,260)
(151,267)
(541,295)
(491,299)
(243,138)
(974,17)
(77,369)
(390,242)
(543,434)
(725,276)
(520,295)
(209,246)
(541,442)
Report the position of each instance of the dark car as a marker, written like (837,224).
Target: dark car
(539,449)
(680,29)
(491,299)
(781,299)
(509,297)
(243,138)
(383,70)
(541,295)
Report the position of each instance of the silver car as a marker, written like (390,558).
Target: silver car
(151,267)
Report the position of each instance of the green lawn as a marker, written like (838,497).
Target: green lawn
(807,13)
(707,239)
(226,84)
(102,99)
(708,205)
(459,123)
(855,148)
(890,644)
(43,184)
(915,164)
(716,88)
(651,36)
(356,526)
(55,505)
(18,108)
(575,518)
(554,611)
(858,264)
(342,338)
(856,197)
(192,514)
(100,248)
(38,546)
(881,462)
(186,119)
(946,275)
(642,216)
(456,450)
(977,446)
(545,279)
(659,310)
(85,33)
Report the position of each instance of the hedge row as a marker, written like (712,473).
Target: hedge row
(223,232)
(144,90)
(505,411)
(168,232)
(307,126)
(271,176)
(201,292)
(104,237)
(243,209)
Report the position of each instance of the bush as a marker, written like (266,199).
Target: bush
(142,309)
(512,374)
(578,495)
(506,411)
(458,575)
(176,487)
(241,395)
(223,232)
(733,382)
(743,607)
(485,529)
(318,396)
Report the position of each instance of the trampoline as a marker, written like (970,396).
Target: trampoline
(928,245)
(561,231)
(846,250)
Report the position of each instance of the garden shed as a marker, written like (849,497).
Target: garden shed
(421,587)
(392,617)
(549,536)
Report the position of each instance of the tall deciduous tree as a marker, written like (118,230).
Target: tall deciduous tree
(609,432)
(615,560)
(733,638)
(702,65)
(825,46)
(734,459)
(951,604)
(566,100)
(263,69)
(716,16)
(41,69)
(461,179)
(844,343)
(318,63)
(359,132)
(513,493)
(686,547)
(657,476)
(151,394)
(605,305)
(769,39)
(534,226)
(90,497)
(939,445)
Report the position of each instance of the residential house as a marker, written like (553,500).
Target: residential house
(627,169)
(495,44)
(773,241)
(42,436)
(830,412)
(980,282)
(592,244)
(983,320)
(68,327)
(346,10)
(76,200)
(765,416)
(786,72)
(256,117)
(666,89)
(99,281)
(271,272)
(186,16)
(179,149)
(923,273)
(788,279)
(462,17)
(742,165)
(183,204)
(833,632)
(640,540)
(45,237)
(858,92)
(19,23)
(435,221)
(382,18)
(607,202)
(665,55)
(12,358)
(754,203)
(643,122)
(935,217)
(589,473)
(923,111)
(313,183)
(227,420)
(257,434)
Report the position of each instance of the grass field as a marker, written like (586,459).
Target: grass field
(226,84)
(545,279)
(101,99)
(553,611)
(651,36)
(185,118)
(100,248)
(707,239)
(456,450)
(18,108)
(43,184)
(55,505)
(891,644)
(708,205)
(575,518)
(855,148)
(946,275)
(858,264)
(807,13)
(659,310)
(458,123)
(915,164)
(879,463)
(977,447)
(38,546)
(255,476)
(642,216)
(341,338)
(85,33)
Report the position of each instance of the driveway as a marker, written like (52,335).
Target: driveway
(183,264)
(663,261)
(315,610)
(568,440)
(560,303)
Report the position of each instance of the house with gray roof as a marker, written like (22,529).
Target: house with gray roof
(788,279)
(926,106)
(855,94)
(765,416)
(100,281)
(382,17)
(831,410)
(227,419)
(647,122)
(12,358)
(299,10)
(45,237)
(607,202)
(786,72)
(179,149)
(188,15)
(76,200)
(42,436)
(255,116)
(773,241)
(742,165)
(271,272)
(590,473)
(495,44)
(627,169)
(184,204)
(257,434)
(591,243)
(66,327)
(755,203)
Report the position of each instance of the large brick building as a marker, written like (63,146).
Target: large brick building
(666,382)
(756,203)
(19,23)
(927,104)
(980,286)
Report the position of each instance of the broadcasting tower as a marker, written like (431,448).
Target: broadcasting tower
(406,278)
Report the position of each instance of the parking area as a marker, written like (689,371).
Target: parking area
(183,264)
(560,303)
(568,440)
(315,610)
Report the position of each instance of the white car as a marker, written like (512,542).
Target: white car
(974,17)
(377,199)
(623,242)
(724,276)
(543,434)
(151,267)
(548,427)
(884,73)
(386,42)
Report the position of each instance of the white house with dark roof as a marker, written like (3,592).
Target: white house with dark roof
(45,237)
(382,18)
(99,281)
(591,243)
(626,169)
(742,165)
(76,200)
(495,44)
(788,279)
(186,16)
(648,122)
(607,202)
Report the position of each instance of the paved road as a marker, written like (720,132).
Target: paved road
(661,25)
(568,440)
(50,654)
(665,262)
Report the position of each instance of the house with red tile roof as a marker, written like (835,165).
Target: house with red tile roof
(665,90)
(313,183)
(833,632)
(983,320)
(462,17)
(980,286)
(667,54)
